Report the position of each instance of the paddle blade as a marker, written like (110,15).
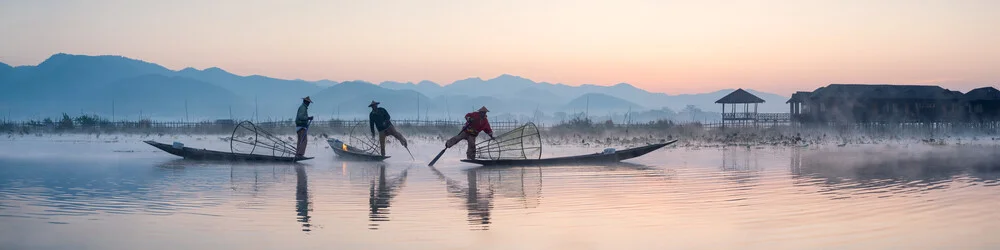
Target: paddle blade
(437,157)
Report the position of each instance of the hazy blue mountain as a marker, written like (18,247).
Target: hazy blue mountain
(5,69)
(447,100)
(67,83)
(596,102)
(5,72)
(87,72)
(520,95)
(499,86)
(706,101)
(397,85)
(271,98)
(265,89)
(163,96)
(628,92)
(509,87)
(323,83)
(77,83)
(536,96)
(458,105)
(63,76)
(429,88)
(353,97)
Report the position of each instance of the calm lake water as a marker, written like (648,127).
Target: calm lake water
(64,193)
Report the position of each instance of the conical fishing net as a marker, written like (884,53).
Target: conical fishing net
(248,138)
(524,142)
(361,139)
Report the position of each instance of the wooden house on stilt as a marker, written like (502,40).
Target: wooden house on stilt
(739,113)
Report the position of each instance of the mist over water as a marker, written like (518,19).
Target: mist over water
(78,192)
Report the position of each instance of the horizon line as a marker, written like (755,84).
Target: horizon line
(452,82)
(372,82)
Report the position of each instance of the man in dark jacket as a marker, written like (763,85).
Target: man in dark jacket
(302,119)
(379,119)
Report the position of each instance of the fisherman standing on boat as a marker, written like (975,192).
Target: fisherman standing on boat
(379,119)
(302,120)
(474,123)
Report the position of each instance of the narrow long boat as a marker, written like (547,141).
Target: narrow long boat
(595,158)
(204,154)
(351,153)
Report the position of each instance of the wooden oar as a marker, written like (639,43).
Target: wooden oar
(408,152)
(437,157)
(435,160)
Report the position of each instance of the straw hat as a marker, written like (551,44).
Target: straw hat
(483,109)
(373,104)
(307,99)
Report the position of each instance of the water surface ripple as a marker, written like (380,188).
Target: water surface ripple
(941,197)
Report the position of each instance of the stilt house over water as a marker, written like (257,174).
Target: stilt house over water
(983,104)
(739,113)
(861,103)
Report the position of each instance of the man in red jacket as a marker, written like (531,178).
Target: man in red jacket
(474,122)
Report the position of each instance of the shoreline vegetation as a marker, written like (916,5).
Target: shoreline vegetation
(577,131)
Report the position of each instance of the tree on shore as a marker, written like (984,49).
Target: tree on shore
(66,123)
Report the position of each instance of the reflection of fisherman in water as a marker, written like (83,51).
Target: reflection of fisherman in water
(302,202)
(517,185)
(381,193)
(479,205)
(479,208)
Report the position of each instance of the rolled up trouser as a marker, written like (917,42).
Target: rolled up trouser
(300,148)
(391,130)
(470,153)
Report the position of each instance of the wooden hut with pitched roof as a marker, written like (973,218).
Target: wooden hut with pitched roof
(983,104)
(881,103)
(739,114)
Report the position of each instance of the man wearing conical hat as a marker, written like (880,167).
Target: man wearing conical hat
(302,120)
(379,119)
(474,123)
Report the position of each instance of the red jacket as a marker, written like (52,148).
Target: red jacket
(475,122)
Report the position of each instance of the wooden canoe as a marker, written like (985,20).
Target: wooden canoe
(204,154)
(595,158)
(351,153)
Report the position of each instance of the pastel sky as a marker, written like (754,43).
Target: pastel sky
(658,45)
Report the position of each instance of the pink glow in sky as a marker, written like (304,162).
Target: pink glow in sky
(664,46)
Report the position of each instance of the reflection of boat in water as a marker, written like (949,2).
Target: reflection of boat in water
(381,193)
(522,186)
(247,183)
(204,154)
(848,169)
(595,158)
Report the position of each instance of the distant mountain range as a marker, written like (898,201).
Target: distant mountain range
(524,92)
(125,87)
